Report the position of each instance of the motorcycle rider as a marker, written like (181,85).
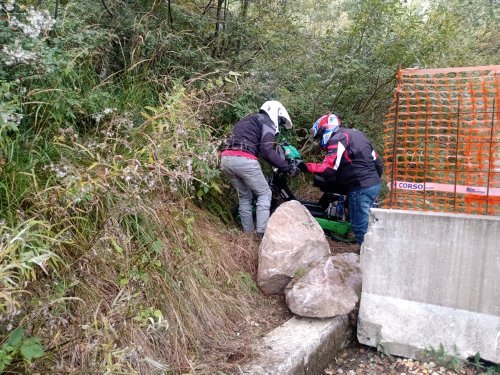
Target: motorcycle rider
(251,137)
(352,163)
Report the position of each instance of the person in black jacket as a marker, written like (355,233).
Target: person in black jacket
(251,137)
(352,161)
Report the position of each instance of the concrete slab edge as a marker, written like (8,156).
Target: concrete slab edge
(408,329)
(301,346)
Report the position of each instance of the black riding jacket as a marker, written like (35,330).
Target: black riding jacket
(351,160)
(255,134)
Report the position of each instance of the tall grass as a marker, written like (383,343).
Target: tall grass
(131,276)
(106,258)
(24,250)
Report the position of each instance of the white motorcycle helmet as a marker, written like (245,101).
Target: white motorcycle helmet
(278,114)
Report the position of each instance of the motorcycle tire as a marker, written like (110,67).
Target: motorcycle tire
(337,237)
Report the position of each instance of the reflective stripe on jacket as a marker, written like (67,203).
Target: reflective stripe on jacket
(351,159)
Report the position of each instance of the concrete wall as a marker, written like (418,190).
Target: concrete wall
(431,279)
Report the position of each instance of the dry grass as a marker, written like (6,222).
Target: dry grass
(148,282)
(194,309)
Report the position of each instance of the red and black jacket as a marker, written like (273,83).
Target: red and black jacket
(351,160)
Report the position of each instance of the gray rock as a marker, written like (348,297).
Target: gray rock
(293,240)
(330,288)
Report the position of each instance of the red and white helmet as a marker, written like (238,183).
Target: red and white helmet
(325,127)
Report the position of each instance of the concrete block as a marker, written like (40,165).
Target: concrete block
(431,279)
(300,346)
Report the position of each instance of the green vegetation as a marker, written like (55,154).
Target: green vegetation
(481,367)
(444,358)
(17,345)
(111,115)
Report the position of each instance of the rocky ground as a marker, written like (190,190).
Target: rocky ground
(358,359)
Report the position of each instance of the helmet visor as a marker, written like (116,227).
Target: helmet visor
(317,131)
(313,131)
(281,121)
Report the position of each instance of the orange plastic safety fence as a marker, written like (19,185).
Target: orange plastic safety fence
(442,141)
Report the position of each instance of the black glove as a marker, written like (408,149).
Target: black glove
(303,167)
(292,170)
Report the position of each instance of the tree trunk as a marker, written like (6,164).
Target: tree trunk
(217,27)
(170,14)
(224,19)
(242,19)
(244,8)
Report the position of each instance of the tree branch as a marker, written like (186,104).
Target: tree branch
(56,11)
(106,7)
(254,54)
(377,89)
(209,5)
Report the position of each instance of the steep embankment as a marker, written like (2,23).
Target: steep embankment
(108,263)
(172,290)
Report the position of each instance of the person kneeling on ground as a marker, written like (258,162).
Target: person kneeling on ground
(252,136)
(352,161)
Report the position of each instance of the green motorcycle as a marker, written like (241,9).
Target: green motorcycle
(331,211)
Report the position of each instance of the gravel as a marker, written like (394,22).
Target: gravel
(359,359)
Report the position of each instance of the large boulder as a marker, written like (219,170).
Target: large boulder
(293,240)
(330,288)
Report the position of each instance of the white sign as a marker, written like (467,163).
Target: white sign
(449,188)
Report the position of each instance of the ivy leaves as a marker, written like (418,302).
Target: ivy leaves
(18,343)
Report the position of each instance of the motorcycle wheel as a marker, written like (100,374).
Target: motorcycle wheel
(337,237)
